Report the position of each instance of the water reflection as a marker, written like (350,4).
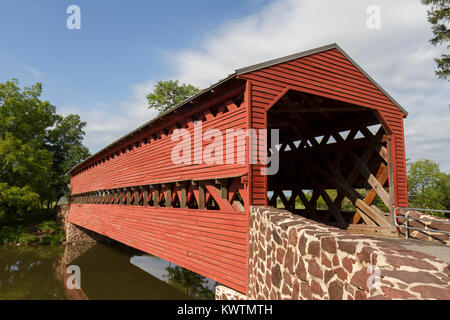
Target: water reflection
(107,272)
(188,282)
(29,273)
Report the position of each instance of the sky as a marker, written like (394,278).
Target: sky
(104,70)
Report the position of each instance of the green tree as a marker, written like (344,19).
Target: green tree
(439,17)
(188,282)
(37,147)
(428,187)
(65,141)
(168,94)
(25,162)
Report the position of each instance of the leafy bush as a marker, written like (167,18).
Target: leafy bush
(52,239)
(16,235)
(49,226)
(16,202)
(27,238)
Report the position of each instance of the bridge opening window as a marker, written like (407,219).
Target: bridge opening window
(333,165)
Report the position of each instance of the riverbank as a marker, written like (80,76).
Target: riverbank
(38,228)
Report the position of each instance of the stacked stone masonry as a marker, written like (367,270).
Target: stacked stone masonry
(291,257)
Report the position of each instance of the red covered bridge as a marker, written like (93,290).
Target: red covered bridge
(340,141)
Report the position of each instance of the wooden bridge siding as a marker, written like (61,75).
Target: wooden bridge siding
(329,74)
(152,163)
(211,243)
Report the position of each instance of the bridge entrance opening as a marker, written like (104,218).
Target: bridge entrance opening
(333,162)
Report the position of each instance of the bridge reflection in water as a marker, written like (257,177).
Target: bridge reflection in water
(107,272)
(121,273)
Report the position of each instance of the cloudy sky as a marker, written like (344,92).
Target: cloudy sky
(104,71)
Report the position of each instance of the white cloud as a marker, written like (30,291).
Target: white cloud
(398,56)
(106,123)
(35,73)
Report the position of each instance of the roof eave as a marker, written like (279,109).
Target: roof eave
(314,51)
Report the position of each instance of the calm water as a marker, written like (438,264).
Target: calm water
(107,272)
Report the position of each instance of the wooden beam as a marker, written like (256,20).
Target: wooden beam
(201,196)
(336,213)
(341,184)
(374,183)
(382,176)
(128,193)
(145,197)
(136,196)
(156,195)
(168,196)
(183,194)
(216,194)
(319,109)
(390,163)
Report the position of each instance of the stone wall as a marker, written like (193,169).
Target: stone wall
(437,223)
(291,257)
(74,233)
(225,293)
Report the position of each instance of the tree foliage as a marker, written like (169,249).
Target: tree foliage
(439,17)
(37,147)
(428,187)
(65,141)
(168,94)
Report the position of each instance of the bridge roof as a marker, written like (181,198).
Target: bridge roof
(232,76)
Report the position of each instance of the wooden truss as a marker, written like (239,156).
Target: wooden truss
(226,194)
(342,155)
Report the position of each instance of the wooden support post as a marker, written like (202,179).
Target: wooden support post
(156,190)
(116,196)
(145,196)
(122,196)
(168,195)
(391,183)
(183,194)
(128,195)
(136,196)
(201,196)
(224,186)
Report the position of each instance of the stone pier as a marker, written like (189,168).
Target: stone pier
(291,257)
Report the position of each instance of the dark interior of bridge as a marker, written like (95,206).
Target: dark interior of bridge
(333,161)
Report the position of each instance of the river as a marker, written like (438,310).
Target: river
(106,272)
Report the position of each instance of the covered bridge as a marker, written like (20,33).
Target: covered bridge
(341,149)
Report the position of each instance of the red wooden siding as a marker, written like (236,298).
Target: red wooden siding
(329,74)
(211,243)
(214,243)
(151,162)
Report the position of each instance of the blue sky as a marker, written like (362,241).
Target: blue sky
(120,43)
(104,70)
